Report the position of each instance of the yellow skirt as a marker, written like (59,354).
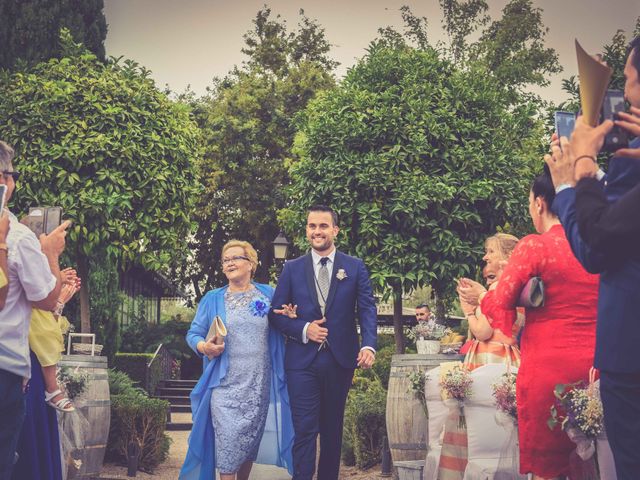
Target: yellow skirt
(45,336)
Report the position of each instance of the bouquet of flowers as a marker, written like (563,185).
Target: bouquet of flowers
(456,385)
(428,331)
(417,381)
(74,381)
(578,410)
(504,391)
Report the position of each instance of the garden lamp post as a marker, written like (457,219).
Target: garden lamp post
(280,247)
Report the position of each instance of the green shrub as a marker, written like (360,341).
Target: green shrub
(382,365)
(134,365)
(140,419)
(347,454)
(365,425)
(121,384)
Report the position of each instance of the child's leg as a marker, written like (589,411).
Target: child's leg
(51,383)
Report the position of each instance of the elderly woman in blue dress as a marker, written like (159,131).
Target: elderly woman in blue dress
(240,405)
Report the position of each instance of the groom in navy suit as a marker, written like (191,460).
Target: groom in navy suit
(326,290)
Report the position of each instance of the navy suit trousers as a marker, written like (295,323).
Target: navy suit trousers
(318,395)
(620,394)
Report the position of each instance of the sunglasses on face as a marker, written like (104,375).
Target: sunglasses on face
(14,174)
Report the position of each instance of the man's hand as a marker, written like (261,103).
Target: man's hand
(210,348)
(288,311)
(560,163)
(366,358)
(631,123)
(317,333)
(588,140)
(53,244)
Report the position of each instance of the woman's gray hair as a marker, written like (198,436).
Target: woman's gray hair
(6,156)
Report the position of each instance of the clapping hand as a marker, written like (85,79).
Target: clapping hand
(470,291)
(287,310)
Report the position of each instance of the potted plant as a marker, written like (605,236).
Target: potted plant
(427,336)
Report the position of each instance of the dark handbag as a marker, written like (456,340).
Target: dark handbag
(532,294)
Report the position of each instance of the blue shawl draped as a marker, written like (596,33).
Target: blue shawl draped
(277,441)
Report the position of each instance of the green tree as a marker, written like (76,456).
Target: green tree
(422,161)
(114,152)
(30,28)
(248,124)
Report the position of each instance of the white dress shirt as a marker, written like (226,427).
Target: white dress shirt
(30,280)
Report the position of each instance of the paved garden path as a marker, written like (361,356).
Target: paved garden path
(170,469)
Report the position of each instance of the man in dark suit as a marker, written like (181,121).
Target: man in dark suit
(600,221)
(326,290)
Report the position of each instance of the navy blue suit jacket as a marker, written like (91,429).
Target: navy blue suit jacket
(618,327)
(348,298)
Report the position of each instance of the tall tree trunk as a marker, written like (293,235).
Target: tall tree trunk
(397,318)
(83,273)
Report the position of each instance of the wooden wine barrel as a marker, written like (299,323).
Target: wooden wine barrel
(406,420)
(95,406)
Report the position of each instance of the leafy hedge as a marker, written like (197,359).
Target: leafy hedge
(135,365)
(365,425)
(136,418)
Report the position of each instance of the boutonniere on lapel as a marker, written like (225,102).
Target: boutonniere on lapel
(341,275)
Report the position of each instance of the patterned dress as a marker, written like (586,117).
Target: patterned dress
(557,344)
(239,405)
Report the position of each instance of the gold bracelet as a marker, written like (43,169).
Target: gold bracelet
(3,246)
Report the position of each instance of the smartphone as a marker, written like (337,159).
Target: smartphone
(35,220)
(52,219)
(565,123)
(3,195)
(613,104)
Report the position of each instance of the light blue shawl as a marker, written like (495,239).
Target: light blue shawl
(277,441)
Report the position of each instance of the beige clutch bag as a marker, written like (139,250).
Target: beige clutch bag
(217,328)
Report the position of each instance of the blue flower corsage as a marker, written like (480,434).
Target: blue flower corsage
(259,308)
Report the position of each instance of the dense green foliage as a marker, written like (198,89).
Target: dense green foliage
(114,152)
(134,365)
(30,28)
(248,124)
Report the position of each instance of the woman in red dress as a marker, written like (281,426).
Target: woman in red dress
(558,342)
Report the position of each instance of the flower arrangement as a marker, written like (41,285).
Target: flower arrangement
(259,308)
(504,391)
(416,386)
(428,331)
(582,409)
(341,275)
(74,381)
(578,410)
(456,383)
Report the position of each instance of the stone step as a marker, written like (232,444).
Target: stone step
(177,383)
(182,426)
(180,408)
(173,400)
(173,392)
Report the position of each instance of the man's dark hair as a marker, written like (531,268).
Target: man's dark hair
(634,47)
(543,187)
(324,208)
(423,305)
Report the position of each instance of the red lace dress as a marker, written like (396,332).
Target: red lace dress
(557,344)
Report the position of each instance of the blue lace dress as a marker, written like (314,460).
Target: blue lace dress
(240,403)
